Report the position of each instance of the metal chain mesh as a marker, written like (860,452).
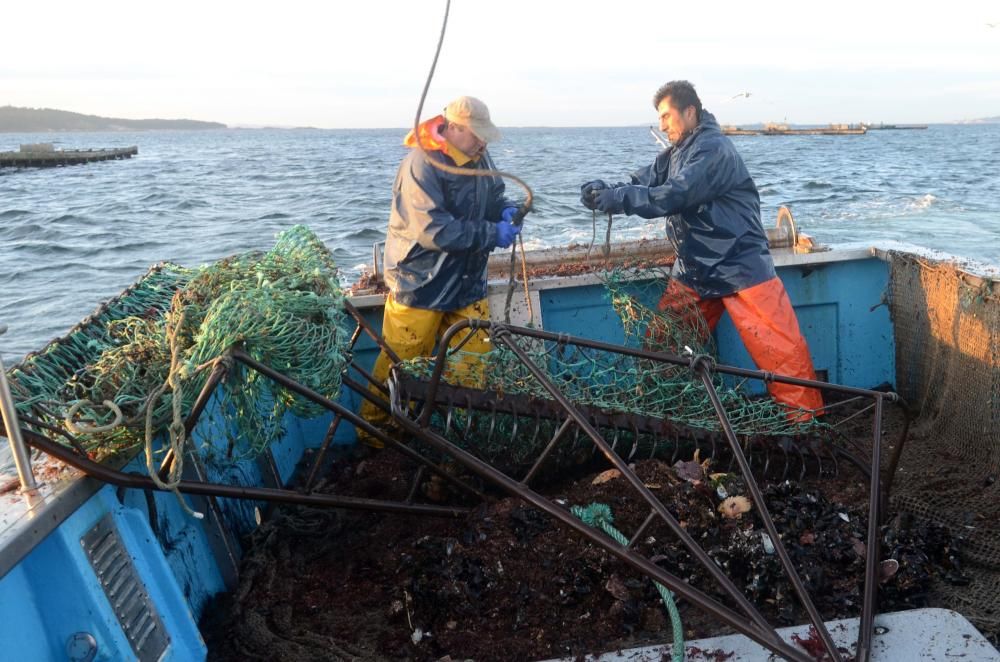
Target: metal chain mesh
(610,382)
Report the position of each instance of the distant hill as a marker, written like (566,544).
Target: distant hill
(43,120)
(981,120)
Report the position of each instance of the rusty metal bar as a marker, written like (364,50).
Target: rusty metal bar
(403,448)
(269,469)
(865,626)
(363,324)
(354,337)
(331,429)
(703,367)
(502,335)
(441,362)
(897,453)
(218,372)
(545,452)
(370,378)
(216,376)
(351,417)
(662,430)
(136,481)
(765,636)
(415,485)
(642,529)
(74,442)
(463,342)
(662,357)
(484,401)
(321,453)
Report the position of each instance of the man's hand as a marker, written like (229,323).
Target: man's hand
(608,200)
(508,213)
(589,190)
(506,231)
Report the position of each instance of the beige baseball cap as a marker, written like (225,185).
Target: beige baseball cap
(473,113)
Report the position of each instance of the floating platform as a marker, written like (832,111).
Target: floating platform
(894,127)
(785,130)
(44,156)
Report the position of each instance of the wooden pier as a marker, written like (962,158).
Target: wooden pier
(43,156)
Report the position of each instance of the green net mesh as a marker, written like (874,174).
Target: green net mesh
(150,348)
(611,382)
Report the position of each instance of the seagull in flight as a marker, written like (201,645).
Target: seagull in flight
(741,94)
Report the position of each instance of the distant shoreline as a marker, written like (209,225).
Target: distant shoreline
(49,120)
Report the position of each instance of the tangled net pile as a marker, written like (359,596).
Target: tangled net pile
(613,382)
(146,353)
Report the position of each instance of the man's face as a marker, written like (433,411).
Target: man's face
(465,140)
(676,123)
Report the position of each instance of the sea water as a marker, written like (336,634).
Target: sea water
(75,236)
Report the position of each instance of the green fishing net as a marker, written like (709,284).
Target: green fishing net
(608,384)
(152,348)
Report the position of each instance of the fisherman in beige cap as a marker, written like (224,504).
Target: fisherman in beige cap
(442,229)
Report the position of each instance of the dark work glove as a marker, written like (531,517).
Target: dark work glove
(506,231)
(588,190)
(609,200)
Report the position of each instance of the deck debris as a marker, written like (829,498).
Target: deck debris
(734,506)
(605,476)
(508,583)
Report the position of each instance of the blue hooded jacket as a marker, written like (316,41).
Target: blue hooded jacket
(712,207)
(442,228)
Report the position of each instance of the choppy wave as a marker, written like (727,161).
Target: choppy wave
(70,237)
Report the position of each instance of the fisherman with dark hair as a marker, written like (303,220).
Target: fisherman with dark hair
(442,228)
(712,209)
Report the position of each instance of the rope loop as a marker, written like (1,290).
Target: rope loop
(84,428)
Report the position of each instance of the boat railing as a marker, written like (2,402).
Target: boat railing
(22,459)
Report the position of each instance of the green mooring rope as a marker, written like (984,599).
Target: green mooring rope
(598,516)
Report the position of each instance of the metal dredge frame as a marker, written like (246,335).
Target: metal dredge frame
(751,622)
(41,435)
(418,422)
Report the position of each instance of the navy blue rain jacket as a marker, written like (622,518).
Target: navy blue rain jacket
(441,230)
(713,211)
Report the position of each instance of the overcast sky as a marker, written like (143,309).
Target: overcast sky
(362,63)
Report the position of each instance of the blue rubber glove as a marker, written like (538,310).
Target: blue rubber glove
(589,190)
(508,213)
(506,231)
(609,200)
